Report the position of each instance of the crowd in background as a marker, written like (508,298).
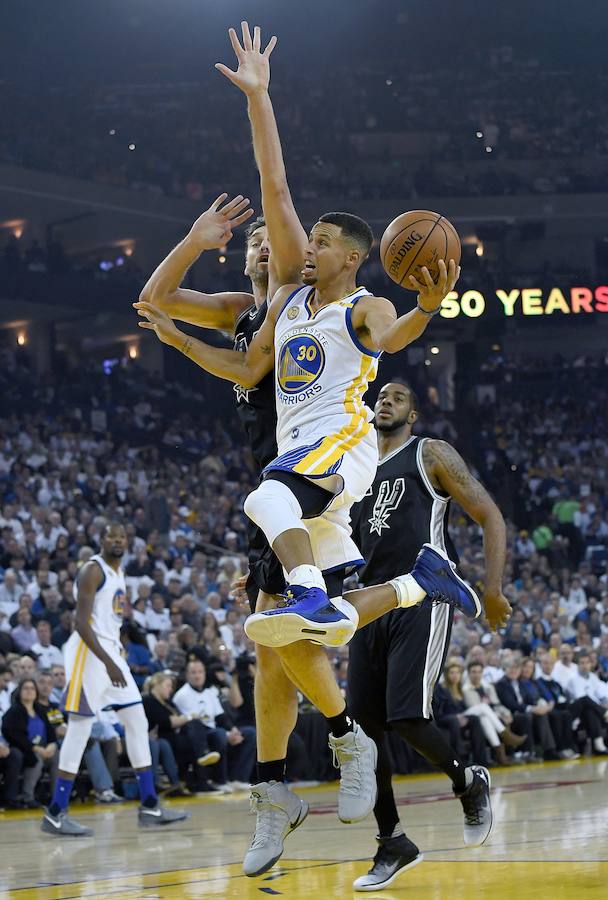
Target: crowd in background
(162,137)
(80,448)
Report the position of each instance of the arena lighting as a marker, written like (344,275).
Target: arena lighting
(435,350)
(112,131)
(16,226)
(479,249)
(478,134)
(133,351)
(496,348)
(132,146)
(221,259)
(427,362)
(22,339)
(488,149)
(129,250)
(389,81)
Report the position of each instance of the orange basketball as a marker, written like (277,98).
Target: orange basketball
(416,239)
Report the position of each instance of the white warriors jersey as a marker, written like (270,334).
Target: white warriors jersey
(322,371)
(109,602)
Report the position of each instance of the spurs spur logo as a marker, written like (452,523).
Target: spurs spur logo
(388,499)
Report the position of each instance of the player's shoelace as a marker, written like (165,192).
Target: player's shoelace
(347,761)
(268,826)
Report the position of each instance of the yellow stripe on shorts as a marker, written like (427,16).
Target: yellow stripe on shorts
(73,698)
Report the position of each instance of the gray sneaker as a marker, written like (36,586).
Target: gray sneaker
(61,824)
(477,807)
(150,817)
(356,755)
(279,812)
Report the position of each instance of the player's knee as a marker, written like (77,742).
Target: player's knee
(136,727)
(74,743)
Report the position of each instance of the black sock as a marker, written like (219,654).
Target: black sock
(385,812)
(425,737)
(272,771)
(341,724)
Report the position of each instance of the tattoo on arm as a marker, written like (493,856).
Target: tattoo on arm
(186,347)
(266,349)
(438,455)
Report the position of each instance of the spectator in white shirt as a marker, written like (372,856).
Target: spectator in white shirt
(583,683)
(564,668)
(59,682)
(157,615)
(10,592)
(214,606)
(236,747)
(48,655)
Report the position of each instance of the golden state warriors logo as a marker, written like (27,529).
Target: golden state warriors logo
(118,604)
(300,363)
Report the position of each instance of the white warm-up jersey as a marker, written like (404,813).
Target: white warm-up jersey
(322,371)
(109,603)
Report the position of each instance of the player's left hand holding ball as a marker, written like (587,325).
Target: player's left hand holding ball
(159,322)
(431,294)
(497,609)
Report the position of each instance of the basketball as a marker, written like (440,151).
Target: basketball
(416,239)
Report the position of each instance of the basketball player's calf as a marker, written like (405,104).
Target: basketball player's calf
(279,811)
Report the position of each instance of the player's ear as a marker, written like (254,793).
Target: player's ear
(354,258)
(412,416)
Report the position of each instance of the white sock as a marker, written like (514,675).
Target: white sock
(347,608)
(308,577)
(469,774)
(599,745)
(408,591)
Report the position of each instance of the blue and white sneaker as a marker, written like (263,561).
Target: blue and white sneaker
(436,574)
(308,614)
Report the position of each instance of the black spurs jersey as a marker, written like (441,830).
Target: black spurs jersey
(400,512)
(256,406)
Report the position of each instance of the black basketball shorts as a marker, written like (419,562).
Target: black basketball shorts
(395,662)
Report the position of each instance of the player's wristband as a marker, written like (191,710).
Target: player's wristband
(426,312)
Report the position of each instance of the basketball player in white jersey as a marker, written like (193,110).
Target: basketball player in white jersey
(329,534)
(98,677)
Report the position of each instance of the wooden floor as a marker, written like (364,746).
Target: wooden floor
(550,840)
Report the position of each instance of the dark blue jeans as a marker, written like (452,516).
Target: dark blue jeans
(162,754)
(236,763)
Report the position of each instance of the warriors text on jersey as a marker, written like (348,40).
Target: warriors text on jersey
(322,371)
(256,406)
(400,512)
(109,602)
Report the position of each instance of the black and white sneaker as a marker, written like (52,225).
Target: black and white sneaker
(150,817)
(395,855)
(477,807)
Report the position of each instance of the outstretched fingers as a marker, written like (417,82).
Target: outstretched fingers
(236,45)
(247,43)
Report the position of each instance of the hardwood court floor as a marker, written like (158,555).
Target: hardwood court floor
(550,840)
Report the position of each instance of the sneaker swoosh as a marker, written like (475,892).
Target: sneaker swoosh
(53,822)
(152,812)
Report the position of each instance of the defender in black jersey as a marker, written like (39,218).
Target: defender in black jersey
(395,661)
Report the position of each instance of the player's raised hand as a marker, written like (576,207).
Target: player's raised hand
(253,71)
(213,229)
(154,319)
(430,293)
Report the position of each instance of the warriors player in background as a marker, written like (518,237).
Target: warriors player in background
(98,677)
(394,662)
(330,334)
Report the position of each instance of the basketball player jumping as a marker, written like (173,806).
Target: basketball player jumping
(98,677)
(395,661)
(337,248)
